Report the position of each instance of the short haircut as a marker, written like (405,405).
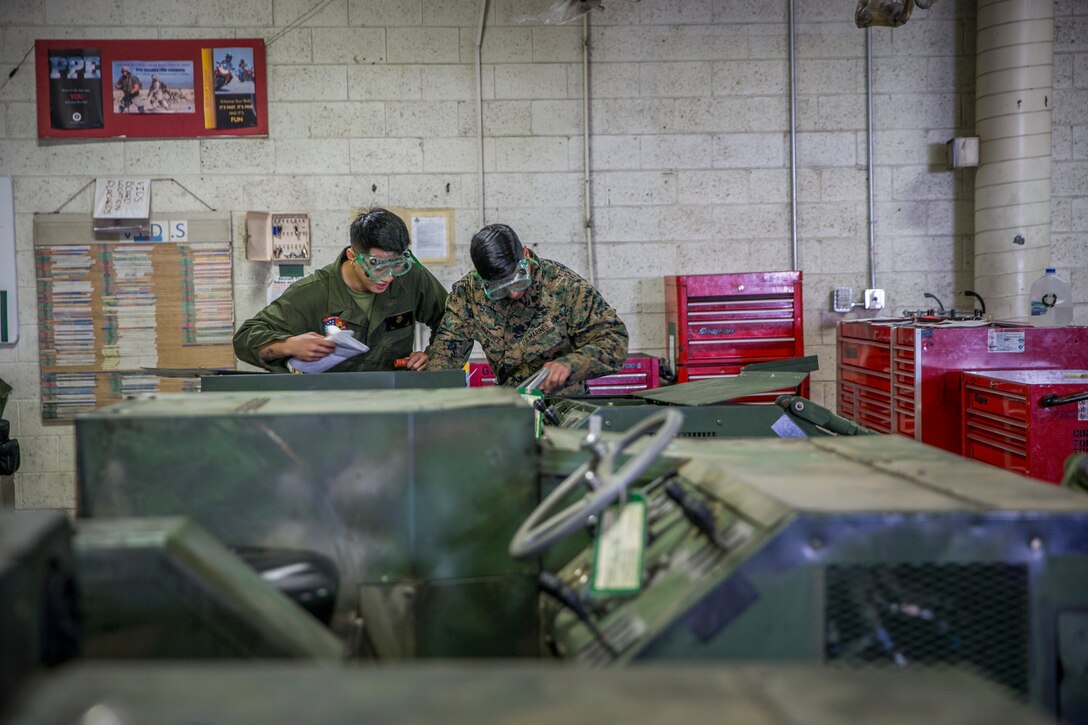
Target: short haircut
(496,251)
(379,228)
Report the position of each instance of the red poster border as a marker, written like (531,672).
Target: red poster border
(175,125)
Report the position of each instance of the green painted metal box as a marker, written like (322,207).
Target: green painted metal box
(414,494)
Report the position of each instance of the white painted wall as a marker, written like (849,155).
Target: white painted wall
(373,102)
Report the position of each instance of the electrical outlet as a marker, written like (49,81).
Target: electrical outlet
(874,299)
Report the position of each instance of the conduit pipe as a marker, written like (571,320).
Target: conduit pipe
(793,148)
(480,111)
(869,151)
(587,213)
(1014,73)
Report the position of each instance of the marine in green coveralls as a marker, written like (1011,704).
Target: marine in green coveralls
(528,313)
(375,289)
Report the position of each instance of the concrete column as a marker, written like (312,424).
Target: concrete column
(1014,71)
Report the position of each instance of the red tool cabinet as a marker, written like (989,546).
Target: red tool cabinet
(639,373)
(905,377)
(480,374)
(718,323)
(1027,421)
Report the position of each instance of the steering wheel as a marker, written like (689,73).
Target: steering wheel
(542,529)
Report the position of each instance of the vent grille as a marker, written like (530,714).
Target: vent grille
(970,616)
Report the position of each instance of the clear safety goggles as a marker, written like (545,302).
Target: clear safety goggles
(376,268)
(519,281)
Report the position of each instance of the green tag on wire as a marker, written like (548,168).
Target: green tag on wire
(620,547)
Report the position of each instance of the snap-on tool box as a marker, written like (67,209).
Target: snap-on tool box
(719,323)
(1027,421)
(904,376)
(639,373)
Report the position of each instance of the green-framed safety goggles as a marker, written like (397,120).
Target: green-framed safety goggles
(376,268)
(518,281)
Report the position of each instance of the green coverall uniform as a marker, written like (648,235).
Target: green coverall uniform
(323,298)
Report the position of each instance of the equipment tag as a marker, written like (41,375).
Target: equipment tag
(621,544)
(1004,341)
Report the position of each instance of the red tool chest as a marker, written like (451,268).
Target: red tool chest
(905,377)
(480,374)
(1027,421)
(718,323)
(639,373)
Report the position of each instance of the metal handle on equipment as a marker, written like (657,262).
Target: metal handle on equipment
(1051,401)
(534,380)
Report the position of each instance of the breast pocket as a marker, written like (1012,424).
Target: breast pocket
(397,333)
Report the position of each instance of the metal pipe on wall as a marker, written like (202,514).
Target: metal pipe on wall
(588,218)
(1014,68)
(869,152)
(480,110)
(793,146)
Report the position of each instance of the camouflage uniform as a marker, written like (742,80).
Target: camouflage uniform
(561,318)
(308,305)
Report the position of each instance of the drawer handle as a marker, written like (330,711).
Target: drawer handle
(1052,401)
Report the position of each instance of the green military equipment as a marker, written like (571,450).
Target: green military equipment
(867,552)
(39,622)
(377,380)
(1075,475)
(413,494)
(165,588)
(707,410)
(521,692)
(718,390)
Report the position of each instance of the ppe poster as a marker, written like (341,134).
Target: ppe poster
(75,88)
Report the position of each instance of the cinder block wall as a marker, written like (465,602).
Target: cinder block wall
(373,102)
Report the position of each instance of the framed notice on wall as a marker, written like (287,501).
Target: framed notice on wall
(151,88)
(111,313)
(431,232)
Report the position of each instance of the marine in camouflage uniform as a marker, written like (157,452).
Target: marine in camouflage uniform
(383,318)
(560,318)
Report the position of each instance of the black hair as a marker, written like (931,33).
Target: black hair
(496,251)
(379,228)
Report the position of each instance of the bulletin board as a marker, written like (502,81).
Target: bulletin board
(151,88)
(113,312)
(431,232)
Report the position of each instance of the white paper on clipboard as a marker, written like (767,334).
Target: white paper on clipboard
(347,347)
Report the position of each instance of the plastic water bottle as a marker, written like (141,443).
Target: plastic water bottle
(1051,301)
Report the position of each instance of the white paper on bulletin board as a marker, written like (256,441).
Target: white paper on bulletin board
(9,304)
(431,231)
(122,198)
